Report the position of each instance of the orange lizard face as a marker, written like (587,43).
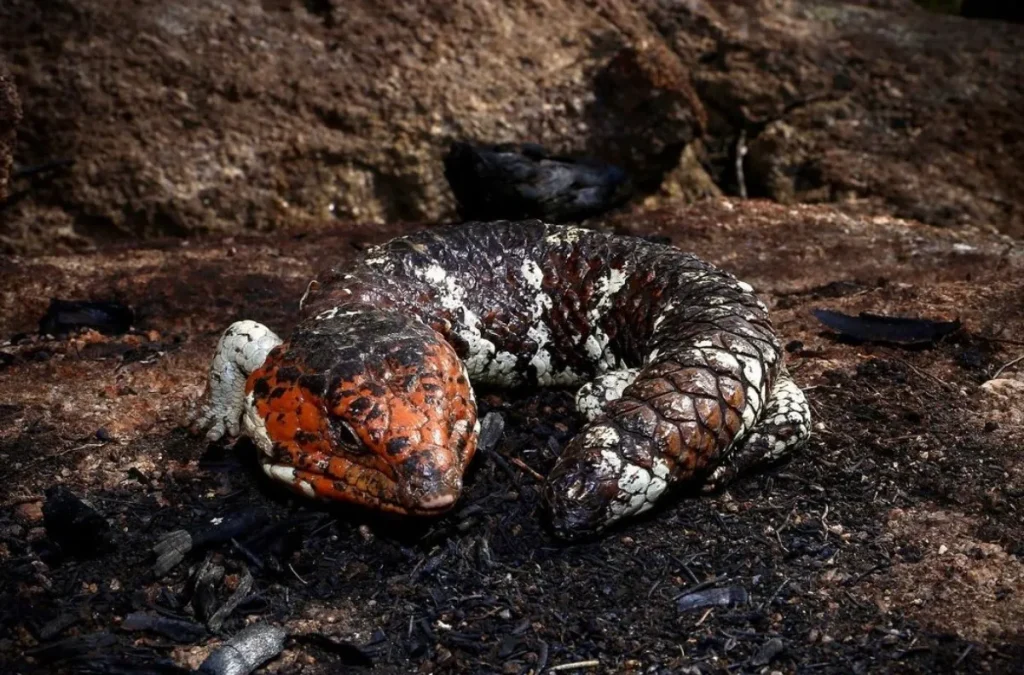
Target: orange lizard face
(367,409)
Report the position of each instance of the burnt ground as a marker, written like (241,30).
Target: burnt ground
(892,543)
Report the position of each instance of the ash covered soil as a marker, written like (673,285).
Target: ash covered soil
(892,542)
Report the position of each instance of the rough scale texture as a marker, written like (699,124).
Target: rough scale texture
(370,400)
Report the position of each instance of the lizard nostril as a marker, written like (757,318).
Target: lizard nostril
(428,487)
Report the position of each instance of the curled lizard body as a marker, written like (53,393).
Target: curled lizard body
(680,373)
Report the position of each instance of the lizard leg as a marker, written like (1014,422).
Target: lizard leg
(784,425)
(242,349)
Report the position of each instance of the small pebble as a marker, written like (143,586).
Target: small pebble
(29,513)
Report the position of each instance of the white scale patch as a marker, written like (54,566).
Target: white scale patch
(434,274)
(717,474)
(639,488)
(659,481)
(602,436)
(287,474)
(335,312)
(375,256)
(538,332)
(634,479)
(533,275)
(722,359)
(502,368)
(596,344)
(666,310)
(633,485)
(541,362)
(482,352)
(460,428)
(593,396)
(310,287)
(611,463)
(565,235)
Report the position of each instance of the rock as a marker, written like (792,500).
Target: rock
(10,115)
(1005,401)
(644,112)
(257,115)
(29,513)
(242,115)
(839,103)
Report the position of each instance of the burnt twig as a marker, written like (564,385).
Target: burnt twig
(172,548)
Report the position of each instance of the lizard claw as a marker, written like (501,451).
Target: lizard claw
(203,420)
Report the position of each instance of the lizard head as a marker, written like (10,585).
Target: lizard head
(365,407)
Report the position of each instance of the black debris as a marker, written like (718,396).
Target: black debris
(174,546)
(204,593)
(886,329)
(241,593)
(179,630)
(993,10)
(73,647)
(347,652)
(74,525)
(768,652)
(57,625)
(516,181)
(68,316)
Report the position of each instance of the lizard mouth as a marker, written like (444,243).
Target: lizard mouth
(345,481)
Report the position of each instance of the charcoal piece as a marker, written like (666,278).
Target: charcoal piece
(204,595)
(713,597)
(74,525)
(246,651)
(179,630)
(241,593)
(68,316)
(518,181)
(174,546)
(886,329)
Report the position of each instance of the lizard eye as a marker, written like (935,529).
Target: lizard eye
(345,436)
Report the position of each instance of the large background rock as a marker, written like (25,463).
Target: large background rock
(230,115)
(885,109)
(10,114)
(241,114)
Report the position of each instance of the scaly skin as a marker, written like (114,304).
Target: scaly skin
(370,400)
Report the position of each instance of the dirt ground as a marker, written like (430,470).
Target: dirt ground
(893,542)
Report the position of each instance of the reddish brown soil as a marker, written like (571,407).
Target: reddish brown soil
(892,543)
